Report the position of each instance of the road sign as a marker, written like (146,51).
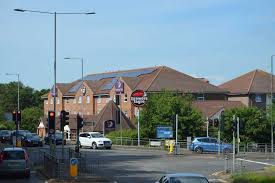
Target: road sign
(138,98)
(109,124)
(73,167)
(119,86)
(164,132)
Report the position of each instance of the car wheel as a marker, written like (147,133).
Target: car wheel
(28,174)
(108,147)
(80,146)
(199,150)
(94,146)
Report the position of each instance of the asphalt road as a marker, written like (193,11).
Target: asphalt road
(34,178)
(141,166)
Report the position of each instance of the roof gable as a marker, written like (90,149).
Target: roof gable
(256,81)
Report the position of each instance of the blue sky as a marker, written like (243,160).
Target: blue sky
(215,39)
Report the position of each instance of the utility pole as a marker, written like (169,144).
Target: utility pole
(234,144)
(207,126)
(238,135)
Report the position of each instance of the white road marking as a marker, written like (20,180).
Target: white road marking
(258,162)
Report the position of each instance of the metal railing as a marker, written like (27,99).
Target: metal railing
(150,143)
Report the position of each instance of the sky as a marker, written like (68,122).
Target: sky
(215,39)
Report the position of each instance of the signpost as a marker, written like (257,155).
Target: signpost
(138,99)
(73,167)
(119,88)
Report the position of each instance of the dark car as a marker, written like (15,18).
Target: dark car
(5,136)
(21,134)
(58,139)
(31,140)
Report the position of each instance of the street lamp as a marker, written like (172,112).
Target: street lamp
(55,13)
(18,104)
(271,107)
(78,59)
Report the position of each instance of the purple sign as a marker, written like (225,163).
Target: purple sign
(119,87)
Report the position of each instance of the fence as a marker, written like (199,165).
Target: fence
(151,143)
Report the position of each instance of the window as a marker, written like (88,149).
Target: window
(51,101)
(46,101)
(83,135)
(258,98)
(213,141)
(88,99)
(200,97)
(99,99)
(58,101)
(125,97)
(74,101)
(80,100)
(126,113)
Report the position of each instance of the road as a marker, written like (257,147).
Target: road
(148,166)
(34,178)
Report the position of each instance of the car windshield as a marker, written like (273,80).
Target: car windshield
(13,155)
(188,179)
(97,135)
(5,132)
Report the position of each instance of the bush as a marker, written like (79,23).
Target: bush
(125,133)
(267,176)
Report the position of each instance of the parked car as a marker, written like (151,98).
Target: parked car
(21,134)
(94,140)
(183,178)
(58,139)
(5,136)
(209,144)
(31,140)
(14,161)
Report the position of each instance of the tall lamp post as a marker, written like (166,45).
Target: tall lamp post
(55,13)
(271,106)
(79,59)
(18,104)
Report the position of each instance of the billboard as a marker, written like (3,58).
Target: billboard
(164,132)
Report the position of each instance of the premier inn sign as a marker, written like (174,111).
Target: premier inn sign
(138,98)
(119,87)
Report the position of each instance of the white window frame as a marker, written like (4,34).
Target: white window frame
(80,99)
(57,101)
(51,100)
(88,100)
(74,101)
(47,102)
(258,98)
(200,97)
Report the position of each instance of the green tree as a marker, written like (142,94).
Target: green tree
(254,126)
(30,118)
(161,109)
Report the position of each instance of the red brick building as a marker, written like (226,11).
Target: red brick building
(95,98)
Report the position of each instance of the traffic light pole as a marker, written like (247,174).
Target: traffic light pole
(233,158)
(219,138)
(238,135)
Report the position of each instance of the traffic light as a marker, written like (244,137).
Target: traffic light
(18,115)
(222,121)
(14,116)
(79,122)
(51,122)
(64,117)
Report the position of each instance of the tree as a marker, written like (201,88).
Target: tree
(161,109)
(254,126)
(30,118)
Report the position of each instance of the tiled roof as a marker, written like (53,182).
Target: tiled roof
(210,107)
(152,79)
(256,81)
(171,79)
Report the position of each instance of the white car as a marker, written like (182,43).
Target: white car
(94,140)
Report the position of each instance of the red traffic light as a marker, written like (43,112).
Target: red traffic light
(51,114)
